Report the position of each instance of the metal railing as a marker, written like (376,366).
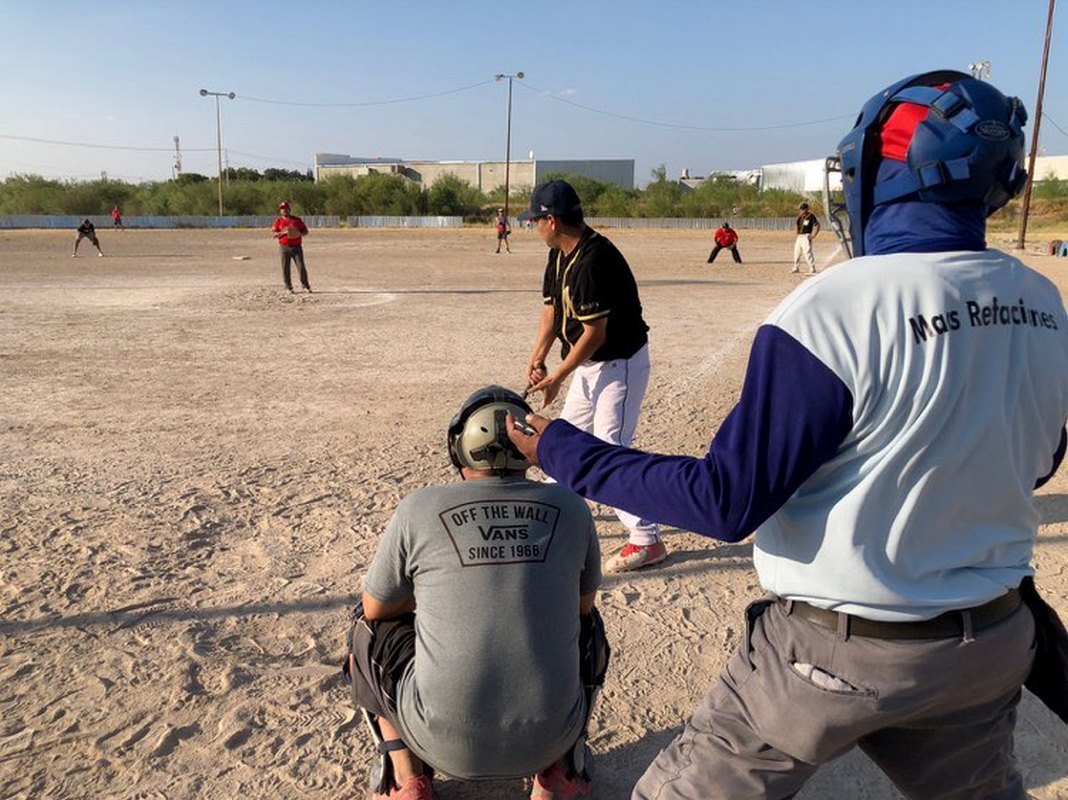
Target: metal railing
(104,222)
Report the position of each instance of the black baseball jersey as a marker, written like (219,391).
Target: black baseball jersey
(591,282)
(806,223)
(87,229)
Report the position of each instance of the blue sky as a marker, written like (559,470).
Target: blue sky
(728,85)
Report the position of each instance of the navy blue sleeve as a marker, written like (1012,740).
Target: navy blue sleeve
(792,416)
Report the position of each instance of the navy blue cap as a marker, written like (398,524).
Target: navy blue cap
(554,197)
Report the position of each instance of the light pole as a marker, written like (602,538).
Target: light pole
(508,136)
(218,135)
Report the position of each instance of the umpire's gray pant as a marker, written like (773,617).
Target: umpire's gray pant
(937,716)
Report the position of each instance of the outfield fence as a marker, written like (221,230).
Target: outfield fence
(104,222)
(741,223)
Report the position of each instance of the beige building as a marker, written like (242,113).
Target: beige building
(483,175)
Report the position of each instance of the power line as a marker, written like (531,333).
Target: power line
(100,146)
(1049,119)
(267,158)
(661,124)
(367,102)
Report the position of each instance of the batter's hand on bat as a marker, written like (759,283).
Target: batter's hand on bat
(527,443)
(536,372)
(549,388)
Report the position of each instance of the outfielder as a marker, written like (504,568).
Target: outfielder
(87,230)
(290,231)
(478,649)
(808,228)
(896,415)
(592,306)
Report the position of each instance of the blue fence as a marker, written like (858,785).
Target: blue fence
(749,223)
(104,222)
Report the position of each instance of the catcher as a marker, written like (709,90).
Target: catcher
(290,231)
(476,649)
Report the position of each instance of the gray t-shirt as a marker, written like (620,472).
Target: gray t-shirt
(497,566)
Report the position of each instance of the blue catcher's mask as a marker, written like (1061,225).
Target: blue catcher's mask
(968,149)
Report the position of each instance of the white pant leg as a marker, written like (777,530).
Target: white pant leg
(578,405)
(615,390)
(803,249)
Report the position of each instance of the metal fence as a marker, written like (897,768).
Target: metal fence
(58,221)
(54,221)
(405,222)
(750,223)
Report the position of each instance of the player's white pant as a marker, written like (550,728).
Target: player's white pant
(803,249)
(604,399)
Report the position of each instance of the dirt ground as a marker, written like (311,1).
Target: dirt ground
(196,467)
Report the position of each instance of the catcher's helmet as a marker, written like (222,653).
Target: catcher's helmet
(967,148)
(478,437)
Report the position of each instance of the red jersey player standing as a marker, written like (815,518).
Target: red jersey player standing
(290,231)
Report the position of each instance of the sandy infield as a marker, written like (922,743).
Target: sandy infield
(196,467)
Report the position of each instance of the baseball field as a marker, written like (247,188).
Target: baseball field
(196,467)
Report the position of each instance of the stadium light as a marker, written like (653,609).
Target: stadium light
(508,135)
(218,136)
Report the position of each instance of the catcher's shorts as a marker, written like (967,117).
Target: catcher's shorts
(936,715)
(379,652)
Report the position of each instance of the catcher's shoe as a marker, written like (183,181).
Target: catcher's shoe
(635,556)
(418,787)
(558,783)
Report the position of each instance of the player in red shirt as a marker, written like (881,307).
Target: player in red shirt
(726,238)
(290,231)
(503,229)
(116,219)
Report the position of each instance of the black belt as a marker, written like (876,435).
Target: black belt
(960,622)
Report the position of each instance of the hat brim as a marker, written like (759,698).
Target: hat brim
(530,213)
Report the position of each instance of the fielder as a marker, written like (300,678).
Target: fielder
(478,650)
(808,228)
(592,306)
(87,230)
(290,231)
(897,413)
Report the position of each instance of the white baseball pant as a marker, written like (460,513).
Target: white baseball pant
(803,249)
(604,399)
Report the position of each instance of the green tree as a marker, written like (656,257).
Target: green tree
(450,196)
(661,198)
(288,175)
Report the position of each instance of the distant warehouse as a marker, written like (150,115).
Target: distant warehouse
(483,175)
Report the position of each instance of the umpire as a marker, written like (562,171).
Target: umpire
(897,413)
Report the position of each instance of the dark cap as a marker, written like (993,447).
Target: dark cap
(803,206)
(555,197)
(283,204)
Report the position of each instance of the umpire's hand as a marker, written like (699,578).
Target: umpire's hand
(527,443)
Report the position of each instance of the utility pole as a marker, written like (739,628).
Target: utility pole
(508,135)
(218,136)
(1034,137)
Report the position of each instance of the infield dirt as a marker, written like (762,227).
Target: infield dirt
(196,467)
